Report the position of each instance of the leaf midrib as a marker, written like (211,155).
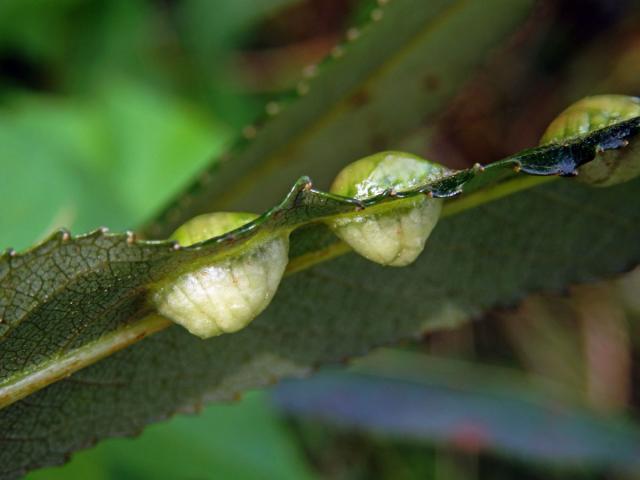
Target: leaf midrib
(25,383)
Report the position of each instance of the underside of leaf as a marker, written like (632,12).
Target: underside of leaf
(494,217)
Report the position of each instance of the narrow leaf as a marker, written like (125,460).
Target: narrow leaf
(446,403)
(71,301)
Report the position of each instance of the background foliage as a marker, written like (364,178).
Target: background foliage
(108,109)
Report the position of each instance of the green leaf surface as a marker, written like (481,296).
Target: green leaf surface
(71,301)
(427,399)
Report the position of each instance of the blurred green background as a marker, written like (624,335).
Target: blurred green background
(109,108)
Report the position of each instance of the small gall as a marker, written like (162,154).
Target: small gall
(388,235)
(226,293)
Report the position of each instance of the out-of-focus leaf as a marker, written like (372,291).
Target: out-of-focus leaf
(466,406)
(156,144)
(45,144)
(357,103)
(33,26)
(233,19)
(107,160)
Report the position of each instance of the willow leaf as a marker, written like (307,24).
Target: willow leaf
(463,405)
(72,301)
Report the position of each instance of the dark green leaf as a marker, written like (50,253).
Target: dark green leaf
(75,300)
(357,103)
